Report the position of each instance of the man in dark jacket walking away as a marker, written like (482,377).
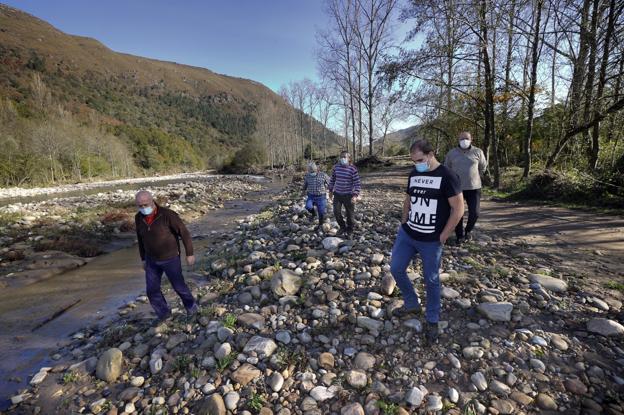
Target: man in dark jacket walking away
(159,231)
(344,189)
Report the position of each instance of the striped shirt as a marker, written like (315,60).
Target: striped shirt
(316,184)
(345,180)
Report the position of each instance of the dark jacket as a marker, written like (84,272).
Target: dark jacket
(161,239)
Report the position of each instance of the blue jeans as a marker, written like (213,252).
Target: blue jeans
(153,274)
(320,202)
(405,247)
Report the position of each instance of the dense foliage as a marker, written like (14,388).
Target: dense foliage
(60,125)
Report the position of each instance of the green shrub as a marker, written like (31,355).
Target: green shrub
(252,156)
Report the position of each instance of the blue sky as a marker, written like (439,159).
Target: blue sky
(270,41)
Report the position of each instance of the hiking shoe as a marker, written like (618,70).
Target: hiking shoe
(341,231)
(468,237)
(160,320)
(192,311)
(431,333)
(404,311)
(459,241)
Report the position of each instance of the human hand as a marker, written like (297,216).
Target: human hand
(443,237)
(190,260)
(354,199)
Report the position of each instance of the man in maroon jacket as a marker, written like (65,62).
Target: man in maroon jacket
(159,231)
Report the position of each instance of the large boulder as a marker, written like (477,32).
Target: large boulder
(109,365)
(605,327)
(212,405)
(261,345)
(496,311)
(331,243)
(369,323)
(285,282)
(245,374)
(251,320)
(552,284)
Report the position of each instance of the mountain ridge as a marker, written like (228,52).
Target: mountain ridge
(149,104)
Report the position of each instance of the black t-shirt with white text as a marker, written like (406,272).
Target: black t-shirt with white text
(429,207)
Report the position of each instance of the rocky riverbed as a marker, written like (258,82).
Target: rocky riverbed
(298,322)
(42,239)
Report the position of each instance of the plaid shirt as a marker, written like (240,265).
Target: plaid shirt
(316,184)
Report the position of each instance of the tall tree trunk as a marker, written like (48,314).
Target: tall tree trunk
(359,103)
(612,117)
(528,133)
(591,75)
(450,52)
(488,78)
(507,86)
(576,86)
(595,148)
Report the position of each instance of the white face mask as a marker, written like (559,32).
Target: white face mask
(464,143)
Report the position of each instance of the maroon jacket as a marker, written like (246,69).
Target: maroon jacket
(161,239)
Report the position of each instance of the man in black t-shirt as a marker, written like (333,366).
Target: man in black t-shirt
(432,208)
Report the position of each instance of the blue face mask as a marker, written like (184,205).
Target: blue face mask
(344,161)
(422,167)
(146,210)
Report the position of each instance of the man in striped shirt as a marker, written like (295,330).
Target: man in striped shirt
(344,189)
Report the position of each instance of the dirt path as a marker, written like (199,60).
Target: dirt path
(589,244)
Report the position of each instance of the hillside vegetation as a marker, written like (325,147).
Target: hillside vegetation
(71,108)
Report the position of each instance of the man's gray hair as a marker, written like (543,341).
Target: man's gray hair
(312,167)
(144,193)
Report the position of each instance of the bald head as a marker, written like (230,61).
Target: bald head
(144,199)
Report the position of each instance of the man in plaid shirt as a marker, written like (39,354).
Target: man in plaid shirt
(315,184)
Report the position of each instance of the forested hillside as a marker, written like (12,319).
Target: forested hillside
(71,108)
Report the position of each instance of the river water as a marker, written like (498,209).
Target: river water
(94,292)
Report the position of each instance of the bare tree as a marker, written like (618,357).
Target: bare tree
(373,31)
(535,54)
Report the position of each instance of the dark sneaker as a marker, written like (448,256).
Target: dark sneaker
(341,231)
(404,311)
(192,311)
(468,237)
(431,333)
(160,320)
(459,241)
